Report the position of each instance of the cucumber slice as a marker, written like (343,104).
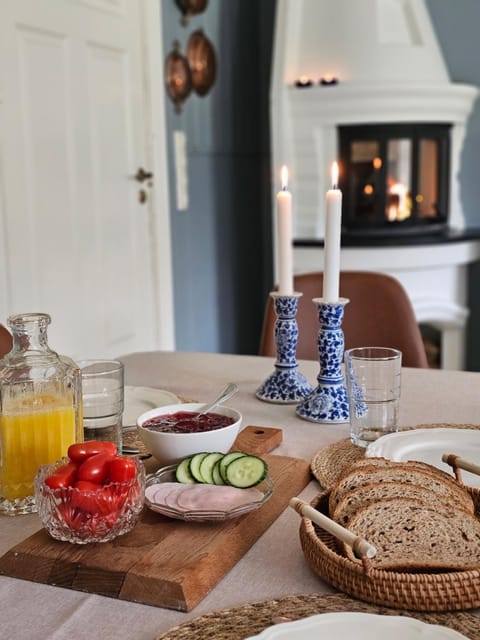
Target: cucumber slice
(227,458)
(194,466)
(217,478)
(207,465)
(182,472)
(245,471)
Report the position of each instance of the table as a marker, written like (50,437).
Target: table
(275,565)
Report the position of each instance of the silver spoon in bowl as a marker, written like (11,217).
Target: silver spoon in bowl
(227,393)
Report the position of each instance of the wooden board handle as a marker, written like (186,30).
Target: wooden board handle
(257,440)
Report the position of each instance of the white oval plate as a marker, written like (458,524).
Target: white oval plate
(428,445)
(140,399)
(358,626)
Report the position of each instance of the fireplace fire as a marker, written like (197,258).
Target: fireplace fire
(394,178)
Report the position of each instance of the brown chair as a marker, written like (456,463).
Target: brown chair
(6,341)
(379,314)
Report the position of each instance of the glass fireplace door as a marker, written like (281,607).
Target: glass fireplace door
(394,176)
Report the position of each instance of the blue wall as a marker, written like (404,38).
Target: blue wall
(222,245)
(456,25)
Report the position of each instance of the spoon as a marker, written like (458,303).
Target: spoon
(227,393)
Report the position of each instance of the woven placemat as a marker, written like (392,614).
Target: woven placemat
(328,463)
(242,622)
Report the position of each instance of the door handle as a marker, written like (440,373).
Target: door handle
(143,175)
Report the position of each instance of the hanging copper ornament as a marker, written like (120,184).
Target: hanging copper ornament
(190,8)
(202,62)
(178,78)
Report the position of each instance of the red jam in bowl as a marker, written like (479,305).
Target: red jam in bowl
(187,422)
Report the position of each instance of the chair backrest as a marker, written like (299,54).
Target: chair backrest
(6,341)
(379,314)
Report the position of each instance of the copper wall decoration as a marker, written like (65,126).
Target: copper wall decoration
(178,77)
(190,8)
(202,62)
(197,69)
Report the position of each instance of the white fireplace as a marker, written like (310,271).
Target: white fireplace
(388,69)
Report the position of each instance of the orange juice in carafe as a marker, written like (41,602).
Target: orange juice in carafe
(28,439)
(40,410)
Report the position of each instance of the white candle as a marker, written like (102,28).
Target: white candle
(285,250)
(333,220)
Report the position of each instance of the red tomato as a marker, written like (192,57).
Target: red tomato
(122,469)
(95,468)
(85,485)
(63,477)
(80,451)
(91,498)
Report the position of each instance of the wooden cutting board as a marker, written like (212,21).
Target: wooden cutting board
(163,562)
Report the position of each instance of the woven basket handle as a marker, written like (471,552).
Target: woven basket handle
(363,549)
(457,463)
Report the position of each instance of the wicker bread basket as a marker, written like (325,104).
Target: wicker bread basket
(448,591)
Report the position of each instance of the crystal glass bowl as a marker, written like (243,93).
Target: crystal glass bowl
(80,516)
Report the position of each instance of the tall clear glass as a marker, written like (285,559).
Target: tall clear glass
(40,410)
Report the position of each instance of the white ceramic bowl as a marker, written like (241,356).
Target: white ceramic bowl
(173,447)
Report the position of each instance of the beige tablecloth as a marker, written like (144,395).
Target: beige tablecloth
(275,565)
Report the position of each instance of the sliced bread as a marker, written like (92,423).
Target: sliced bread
(385,462)
(409,535)
(445,487)
(361,497)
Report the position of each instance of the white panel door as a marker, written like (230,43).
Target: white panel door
(74,129)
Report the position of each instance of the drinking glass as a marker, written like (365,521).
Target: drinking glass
(373,386)
(103,400)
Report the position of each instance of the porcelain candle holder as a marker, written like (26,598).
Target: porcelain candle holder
(286,385)
(328,402)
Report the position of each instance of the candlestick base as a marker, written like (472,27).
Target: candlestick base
(328,403)
(286,385)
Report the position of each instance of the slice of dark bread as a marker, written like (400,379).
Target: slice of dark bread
(385,462)
(411,536)
(446,488)
(367,494)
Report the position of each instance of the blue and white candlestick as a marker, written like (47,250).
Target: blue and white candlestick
(286,385)
(328,403)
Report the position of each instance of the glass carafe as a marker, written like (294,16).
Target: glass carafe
(40,410)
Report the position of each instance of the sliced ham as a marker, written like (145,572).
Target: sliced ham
(200,497)
(164,493)
(209,497)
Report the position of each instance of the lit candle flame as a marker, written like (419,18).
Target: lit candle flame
(284,178)
(335,175)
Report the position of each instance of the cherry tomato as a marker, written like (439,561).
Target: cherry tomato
(95,468)
(80,451)
(122,469)
(86,485)
(91,497)
(63,477)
